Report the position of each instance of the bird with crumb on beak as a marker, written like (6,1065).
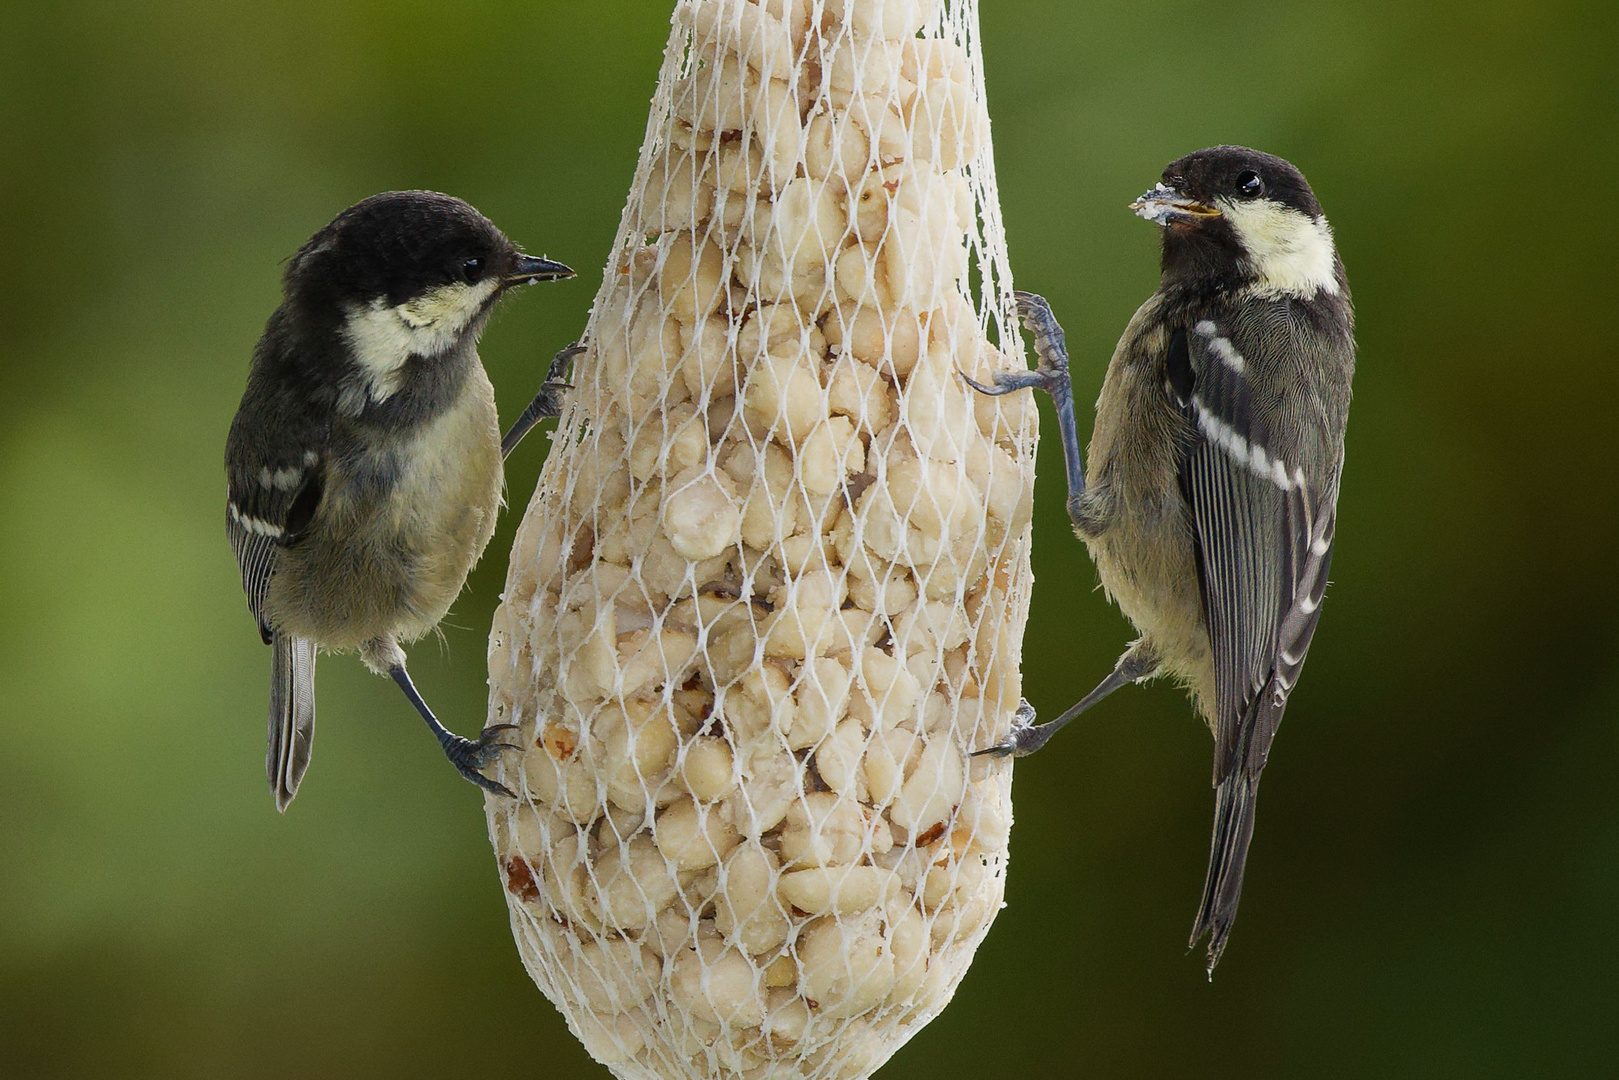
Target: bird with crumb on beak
(364,463)
(1210,496)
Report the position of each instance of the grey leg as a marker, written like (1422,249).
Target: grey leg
(547,403)
(468,756)
(1138,662)
(1051,376)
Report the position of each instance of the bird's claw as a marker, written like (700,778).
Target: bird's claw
(563,361)
(1051,373)
(1013,744)
(471,756)
(1035,311)
(1007,381)
(1050,346)
(548,400)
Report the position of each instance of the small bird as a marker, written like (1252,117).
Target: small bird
(1211,493)
(364,463)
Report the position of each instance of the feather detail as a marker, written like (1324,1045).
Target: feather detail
(1262,531)
(292,716)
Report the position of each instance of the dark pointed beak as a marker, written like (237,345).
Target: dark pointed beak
(530,268)
(1164,205)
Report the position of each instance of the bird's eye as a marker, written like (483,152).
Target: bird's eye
(1249,185)
(472,270)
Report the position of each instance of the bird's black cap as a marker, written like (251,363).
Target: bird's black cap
(400,244)
(1225,171)
(1218,208)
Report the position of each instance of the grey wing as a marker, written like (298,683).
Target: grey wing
(268,506)
(1263,528)
(255,558)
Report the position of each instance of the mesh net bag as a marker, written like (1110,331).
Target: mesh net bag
(771,589)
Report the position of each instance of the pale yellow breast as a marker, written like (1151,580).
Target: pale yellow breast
(447,501)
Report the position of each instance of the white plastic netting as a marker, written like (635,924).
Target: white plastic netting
(771,590)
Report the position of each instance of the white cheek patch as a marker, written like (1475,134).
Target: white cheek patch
(1291,252)
(383,337)
(449,308)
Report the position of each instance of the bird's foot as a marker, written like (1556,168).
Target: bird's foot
(1007,381)
(1049,343)
(471,756)
(1051,373)
(1025,737)
(548,402)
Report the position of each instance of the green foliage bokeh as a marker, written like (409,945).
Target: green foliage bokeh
(1434,887)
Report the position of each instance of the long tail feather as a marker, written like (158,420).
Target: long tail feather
(292,716)
(1234,802)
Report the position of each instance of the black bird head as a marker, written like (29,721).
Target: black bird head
(423,266)
(1238,218)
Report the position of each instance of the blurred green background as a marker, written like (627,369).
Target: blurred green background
(1434,888)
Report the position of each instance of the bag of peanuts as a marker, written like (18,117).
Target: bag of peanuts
(770,592)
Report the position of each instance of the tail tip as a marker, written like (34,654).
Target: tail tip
(1217,936)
